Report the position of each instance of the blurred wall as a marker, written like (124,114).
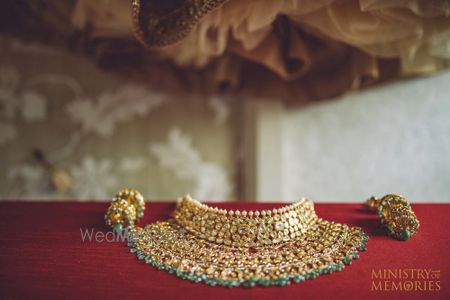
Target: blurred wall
(98,132)
(392,139)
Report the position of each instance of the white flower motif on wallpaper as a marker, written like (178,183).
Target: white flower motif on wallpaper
(179,156)
(100,178)
(29,182)
(17,102)
(100,116)
(79,160)
(221,107)
(91,178)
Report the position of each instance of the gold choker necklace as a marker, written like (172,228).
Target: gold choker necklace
(240,248)
(246,229)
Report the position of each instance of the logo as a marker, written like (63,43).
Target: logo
(110,237)
(93,235)
(405,280)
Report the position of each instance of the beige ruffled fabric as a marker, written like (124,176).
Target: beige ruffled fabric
(416,32)
(296,37)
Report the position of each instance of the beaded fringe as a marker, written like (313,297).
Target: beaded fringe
(282,281)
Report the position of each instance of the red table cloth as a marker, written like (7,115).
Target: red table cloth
(42,255)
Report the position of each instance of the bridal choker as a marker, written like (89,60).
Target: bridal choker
(238,248)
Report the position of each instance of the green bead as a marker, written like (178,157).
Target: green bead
(347,261)
(248,283)
(264,282)
(117,227)
(405,234)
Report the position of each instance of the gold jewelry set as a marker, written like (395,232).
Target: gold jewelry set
(396,215)
(244,248)
(239,248)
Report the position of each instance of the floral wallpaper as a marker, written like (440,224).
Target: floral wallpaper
(70,131)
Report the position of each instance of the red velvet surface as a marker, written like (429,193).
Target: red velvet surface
(42,255)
